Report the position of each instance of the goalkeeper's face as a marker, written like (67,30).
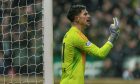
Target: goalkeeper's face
(83,18)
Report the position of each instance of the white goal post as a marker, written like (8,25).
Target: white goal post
(48,42)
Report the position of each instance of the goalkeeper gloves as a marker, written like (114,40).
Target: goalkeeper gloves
(114,30)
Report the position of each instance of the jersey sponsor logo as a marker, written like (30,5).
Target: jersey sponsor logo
(88,43)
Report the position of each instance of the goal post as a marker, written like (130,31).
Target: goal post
(48,42)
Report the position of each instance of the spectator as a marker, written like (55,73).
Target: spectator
(127,74)
(136,71)
(107,70)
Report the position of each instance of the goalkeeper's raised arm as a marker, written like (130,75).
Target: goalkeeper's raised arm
(76,45)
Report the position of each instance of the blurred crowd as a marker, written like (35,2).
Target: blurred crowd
(21,37)
(102,12)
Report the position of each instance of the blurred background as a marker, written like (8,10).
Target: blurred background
(124,59)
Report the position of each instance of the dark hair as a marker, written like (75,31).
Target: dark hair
(75,10)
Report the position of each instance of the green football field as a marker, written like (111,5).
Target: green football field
(108,81)
(21,80)
(39,80)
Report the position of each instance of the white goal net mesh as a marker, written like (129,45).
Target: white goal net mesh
(21,46)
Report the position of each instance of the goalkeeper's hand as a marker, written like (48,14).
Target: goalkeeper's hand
(114,30)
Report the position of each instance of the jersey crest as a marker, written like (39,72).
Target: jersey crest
(88,43)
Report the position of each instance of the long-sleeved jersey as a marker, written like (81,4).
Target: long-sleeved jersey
(75,47)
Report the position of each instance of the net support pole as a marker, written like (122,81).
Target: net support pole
(48,42)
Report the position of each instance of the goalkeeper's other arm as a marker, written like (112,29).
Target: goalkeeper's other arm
(114,30)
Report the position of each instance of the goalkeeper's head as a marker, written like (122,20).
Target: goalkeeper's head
(79,15)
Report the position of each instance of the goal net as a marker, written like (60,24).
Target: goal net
(21,42)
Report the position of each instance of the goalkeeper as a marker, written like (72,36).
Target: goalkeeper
(76,45)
